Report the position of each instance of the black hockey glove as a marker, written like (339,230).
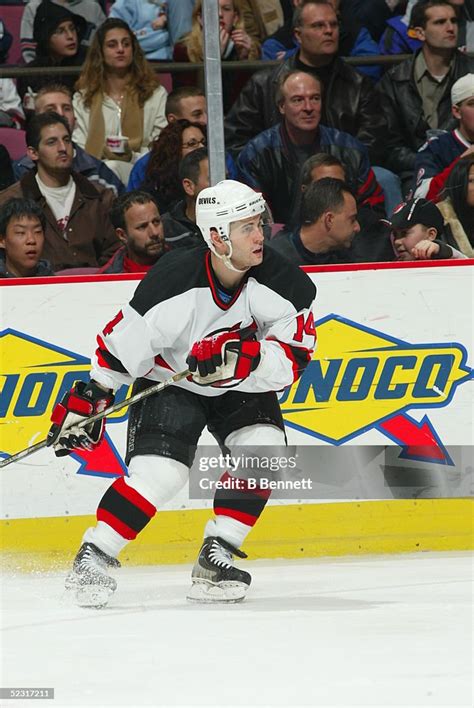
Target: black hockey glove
(82,401)
(222,358)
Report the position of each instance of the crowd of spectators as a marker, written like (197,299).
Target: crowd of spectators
(359,161)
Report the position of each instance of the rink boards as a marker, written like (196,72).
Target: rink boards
(392,371)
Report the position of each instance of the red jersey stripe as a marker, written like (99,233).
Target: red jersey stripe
(241,516)
(121,528)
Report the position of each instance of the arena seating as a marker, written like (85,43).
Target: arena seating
(11,16)
(14,141)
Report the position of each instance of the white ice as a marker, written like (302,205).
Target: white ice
(365,631)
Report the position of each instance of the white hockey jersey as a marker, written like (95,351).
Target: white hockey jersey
(180,302)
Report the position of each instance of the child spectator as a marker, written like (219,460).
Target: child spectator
(58,34)
(22,225)
(90,10)
(118,96)
(418,232)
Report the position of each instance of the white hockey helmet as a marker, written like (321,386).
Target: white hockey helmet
(228,201)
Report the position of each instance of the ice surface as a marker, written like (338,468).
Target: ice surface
(365,631)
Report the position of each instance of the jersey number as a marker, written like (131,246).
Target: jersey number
(110,326)
(303,327)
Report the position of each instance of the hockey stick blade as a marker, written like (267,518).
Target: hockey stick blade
(98,416)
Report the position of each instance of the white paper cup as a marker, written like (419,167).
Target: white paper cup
(29,101)
(117,143)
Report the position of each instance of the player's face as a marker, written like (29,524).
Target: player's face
(23,243)
(319,31)
(57,102)
(144,233)
(117,49)
(54,152)
(64,42)
(441,29)
(247,242)
(465,114)
(404,241)
(194,109)
(344,225)
(301,106)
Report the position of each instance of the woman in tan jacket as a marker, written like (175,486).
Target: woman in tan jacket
(118,94)
(457,206)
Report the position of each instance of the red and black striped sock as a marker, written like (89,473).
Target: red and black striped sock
(124,509)
(240,502)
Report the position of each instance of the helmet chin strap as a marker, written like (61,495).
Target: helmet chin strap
(227,259)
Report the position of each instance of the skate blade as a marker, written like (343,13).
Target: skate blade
(87,594)
(203,591)
(93,596)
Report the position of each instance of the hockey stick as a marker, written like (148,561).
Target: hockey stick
(98,416)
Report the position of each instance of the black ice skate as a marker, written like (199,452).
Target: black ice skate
(89,579)
(214,577)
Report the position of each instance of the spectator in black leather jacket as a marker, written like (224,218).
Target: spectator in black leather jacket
(416,93)
(351,102)
(327,228)
(372,242)
(271,162)
(179,223)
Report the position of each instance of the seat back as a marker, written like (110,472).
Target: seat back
(78,271)
(14,141)
(276,228)
(166,81)
(11,16)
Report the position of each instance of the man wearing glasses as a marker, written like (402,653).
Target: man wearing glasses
(351,104)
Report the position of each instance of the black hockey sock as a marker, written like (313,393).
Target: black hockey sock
(241,501)
(124,509)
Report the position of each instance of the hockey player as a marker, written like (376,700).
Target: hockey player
(240,318)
